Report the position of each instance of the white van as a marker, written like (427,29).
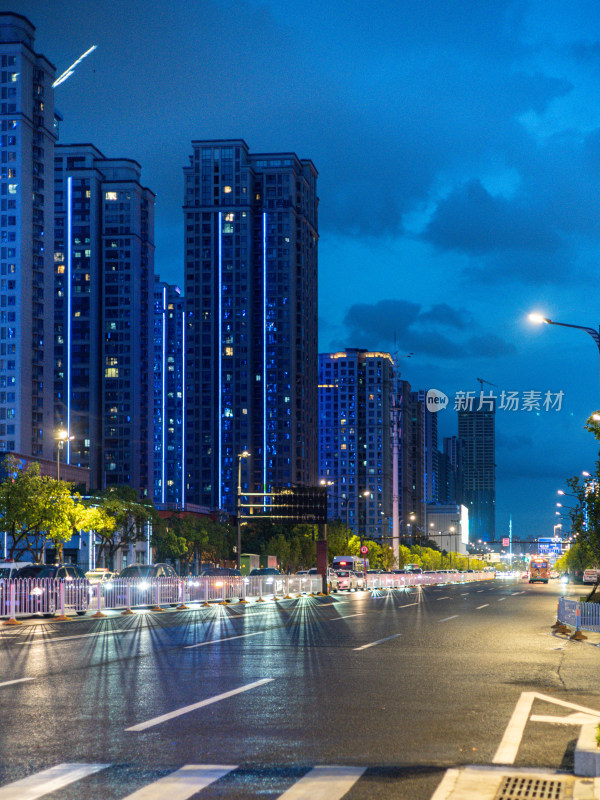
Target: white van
(9,569)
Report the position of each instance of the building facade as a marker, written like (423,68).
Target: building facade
(27,137)
(169,382)
(476,428)
(104,272)
(251,237)
(355,439)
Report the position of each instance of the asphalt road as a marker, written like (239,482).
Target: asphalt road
(355,695)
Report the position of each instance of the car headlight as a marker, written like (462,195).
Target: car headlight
(269,580)
(108,585)
(144,585)
(564,579)
(37,591)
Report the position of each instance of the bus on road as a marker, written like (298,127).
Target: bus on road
(539,569)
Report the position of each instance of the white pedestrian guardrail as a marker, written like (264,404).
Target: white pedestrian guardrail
(49,596)
(579,615)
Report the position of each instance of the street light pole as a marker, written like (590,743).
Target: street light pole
(62,436)
(593,332)
(243,454)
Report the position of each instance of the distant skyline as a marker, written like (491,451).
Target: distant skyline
(458,150)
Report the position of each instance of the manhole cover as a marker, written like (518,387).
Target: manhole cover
(533,788)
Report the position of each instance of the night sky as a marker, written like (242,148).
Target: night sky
(458,150)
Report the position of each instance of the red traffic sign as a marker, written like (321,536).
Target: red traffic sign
(505,541)
(364,550)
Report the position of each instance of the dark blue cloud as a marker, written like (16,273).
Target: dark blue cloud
(394,324)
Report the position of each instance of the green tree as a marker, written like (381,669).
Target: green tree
(124,518)
(166,541)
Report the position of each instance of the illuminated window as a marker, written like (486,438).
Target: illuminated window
(60,270)
(12,188)
(88,193)
(111,372)
(111,196)
(229,217)
(227,189)
(228,351)
(59,257)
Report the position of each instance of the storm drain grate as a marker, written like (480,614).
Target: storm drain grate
(533,788)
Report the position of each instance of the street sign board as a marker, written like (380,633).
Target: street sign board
(505,541)
(549,547)
(364,550)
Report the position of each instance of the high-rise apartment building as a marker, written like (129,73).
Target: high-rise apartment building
(104,267)
(451,471)
(476,428)
(27,136)
(251,236)
(355,438)
(169,382)
(430,447)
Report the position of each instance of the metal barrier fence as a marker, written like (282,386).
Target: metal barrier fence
(27,596)
(579,615)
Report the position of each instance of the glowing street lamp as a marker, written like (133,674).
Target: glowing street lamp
(593,332)
(62,436)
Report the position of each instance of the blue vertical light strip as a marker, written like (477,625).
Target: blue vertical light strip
(164,398)
(264,237)
(219,359)
(183,409)
(69,309)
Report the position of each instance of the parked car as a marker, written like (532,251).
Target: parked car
(44,596)
(99,575)
(223,572)
(332,578)
(590,575)
(347,580)
(361,581)
(265,571)
(30,571)
(148,571)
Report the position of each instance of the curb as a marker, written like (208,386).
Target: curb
(587,752)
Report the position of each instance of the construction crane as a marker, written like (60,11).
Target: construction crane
(481,382)
(69,71)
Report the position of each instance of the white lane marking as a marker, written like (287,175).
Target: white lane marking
(17,680)
(479,590)
(515,593)
(500,599)
(379,641)
(465,594)
(324,783)
(52,639)
(225,639)
(509,746)
(485,605)
(186,709)
(333,619)
(454,616)
(409,604)
(182,783)
(443,598)
(49,780)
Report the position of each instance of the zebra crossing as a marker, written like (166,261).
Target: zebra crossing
(319,783)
